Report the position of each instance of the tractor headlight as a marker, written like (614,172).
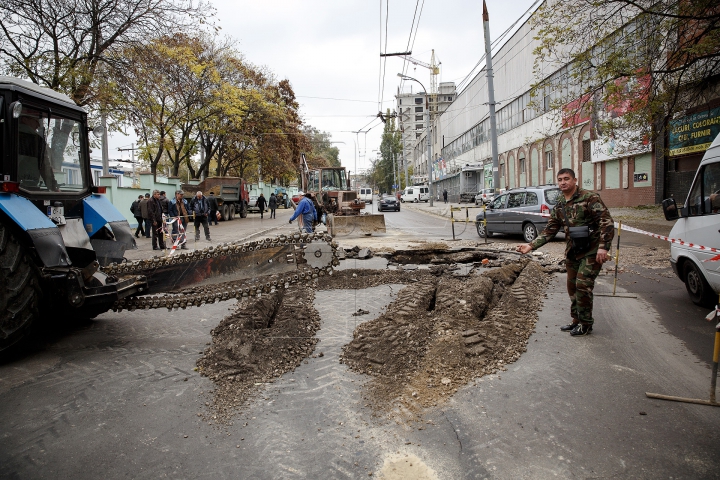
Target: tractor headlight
(16,108)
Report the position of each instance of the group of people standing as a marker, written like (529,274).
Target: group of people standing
(149,210)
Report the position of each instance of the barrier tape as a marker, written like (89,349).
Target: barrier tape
(181,236)
(677,241)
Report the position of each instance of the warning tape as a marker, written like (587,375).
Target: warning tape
(677,241)
(181,236)
(627,228)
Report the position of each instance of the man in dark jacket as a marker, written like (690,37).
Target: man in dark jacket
(135,209)
(146,215)
(272,205)
(156,216)
(261,204)
(212,201)
(165,202)
(201,209)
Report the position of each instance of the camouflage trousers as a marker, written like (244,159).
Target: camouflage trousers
(581,275)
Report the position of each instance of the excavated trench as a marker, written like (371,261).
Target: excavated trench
(441,331)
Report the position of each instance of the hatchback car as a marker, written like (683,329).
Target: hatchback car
(485,196)
(388,202)
(517,212)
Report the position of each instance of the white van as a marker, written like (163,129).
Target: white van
(365,195)
(698,222)
(415,194)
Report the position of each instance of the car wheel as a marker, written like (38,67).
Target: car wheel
(482,231)
(529,232)
(402,201)
(697,287)
(415,200)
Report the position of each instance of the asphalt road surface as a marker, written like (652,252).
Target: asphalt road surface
(118,398)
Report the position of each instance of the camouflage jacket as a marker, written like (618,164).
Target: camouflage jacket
(583,208)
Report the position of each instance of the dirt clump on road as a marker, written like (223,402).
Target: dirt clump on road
(442,332)
(263,339)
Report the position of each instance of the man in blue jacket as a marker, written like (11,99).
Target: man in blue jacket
(308,212)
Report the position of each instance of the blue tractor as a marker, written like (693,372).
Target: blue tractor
(56,228)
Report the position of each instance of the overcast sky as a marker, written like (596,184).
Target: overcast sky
(331,49)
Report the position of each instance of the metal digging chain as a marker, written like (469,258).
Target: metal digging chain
(199,295)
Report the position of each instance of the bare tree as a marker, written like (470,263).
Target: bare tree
(61,43)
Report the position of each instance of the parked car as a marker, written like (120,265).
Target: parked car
(252,205)
(485,196)
(697,224)
(297,197)
(512,212)
(416,194)
(388,202)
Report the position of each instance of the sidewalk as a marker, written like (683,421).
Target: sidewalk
(236,230)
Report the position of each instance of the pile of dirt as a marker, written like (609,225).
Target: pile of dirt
(440,333)
(355,278)
(263,339)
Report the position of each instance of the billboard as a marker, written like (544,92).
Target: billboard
(693,133)
(608,147)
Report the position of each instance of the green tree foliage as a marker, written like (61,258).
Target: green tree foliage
(182,95)
(321,152)
(390,149)
(630,63)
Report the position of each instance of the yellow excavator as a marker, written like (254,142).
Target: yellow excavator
(332,196)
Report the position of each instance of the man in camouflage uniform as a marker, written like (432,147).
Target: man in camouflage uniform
(584,208)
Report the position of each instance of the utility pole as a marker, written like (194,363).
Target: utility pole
(105,153)
(491,99)
(394,170)
(132,160)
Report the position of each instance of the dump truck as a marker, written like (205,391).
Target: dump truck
(330,188)
(232,195)
(62,243)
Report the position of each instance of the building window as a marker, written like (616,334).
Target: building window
(502,169)
(586,151)
(418,101)
(549,159)
(521,164)
(418,109)
(399,101)
(418,126)
(419,118)
(417,135)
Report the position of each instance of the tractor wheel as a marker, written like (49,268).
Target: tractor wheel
(20,291)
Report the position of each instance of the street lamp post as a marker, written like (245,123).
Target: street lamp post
(427,134)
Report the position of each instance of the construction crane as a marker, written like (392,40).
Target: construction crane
(434,68)
(434,72)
